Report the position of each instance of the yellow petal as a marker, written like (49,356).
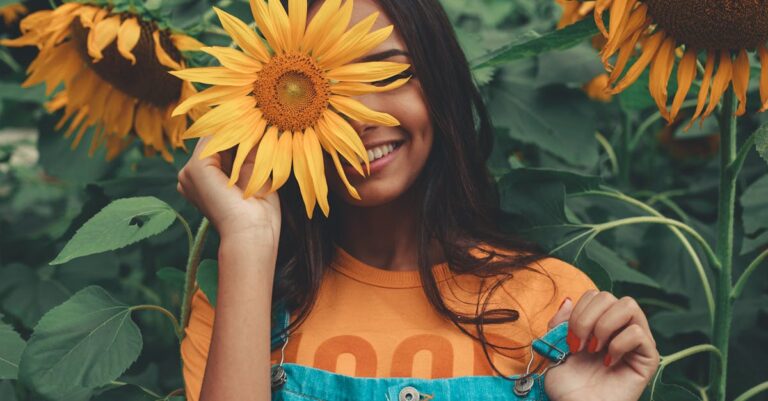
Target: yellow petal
(282,162)
(231,133)
(282,26)
(336,162)
(720,82)
(234,59)
(245,148)
(661,68)
(265,155)
(185,43)
(600,7)
(149,126)
(162,56)
(348,51)
(215,76)
(303,176)
(741,80)
(244,36)
(348,40)
(359,112)
(618,16)
(332,32)
(265,24)
(208,123)
(686,73)
(650,48)
(358,88)
(706,82)
(367,72)
(212,96)
(322,18)
(297,13)
(101,36)
(345,139)
(626,51)
(127,37)
(637,20)
(314,153)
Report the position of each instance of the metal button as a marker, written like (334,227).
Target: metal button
(279,377)
(523,385)
(409,394)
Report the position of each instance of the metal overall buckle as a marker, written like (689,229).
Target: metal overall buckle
(279,377)
(524,383)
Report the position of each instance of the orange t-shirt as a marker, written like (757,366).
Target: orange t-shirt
(371,322)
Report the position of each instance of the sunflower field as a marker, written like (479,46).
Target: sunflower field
(630,141)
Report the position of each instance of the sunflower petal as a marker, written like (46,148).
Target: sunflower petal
(234,59)
(212,96)
(340,170)
(185,43)
(741,80)
(367,72)
(650,47)
(243,36)
(282,162)
(302,174)
(266,25)
(686,72)
(314,153)
(281,23)
(359,112)
(600,7)
(720,82)
(101,36)
(358,88)
(162,56)
(265,155)
(332,32)
(350,38)
(149,126)
(661,68)
(625,52)
(322,18)
(231,110)
(231,134)
(127,37)
(215,76)
(358,49)
(348,136)
(244,148)
(638,19)
(297,13)
(706,82)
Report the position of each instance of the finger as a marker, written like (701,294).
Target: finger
(633,342)
(562,314)
(622,313)
(227,159)
(212,160)
(246,171)
(583,320)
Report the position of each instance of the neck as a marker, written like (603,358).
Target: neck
(385,236)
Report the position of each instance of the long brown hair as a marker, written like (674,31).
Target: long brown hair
(459,200)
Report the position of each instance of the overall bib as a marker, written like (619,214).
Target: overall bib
(293,382)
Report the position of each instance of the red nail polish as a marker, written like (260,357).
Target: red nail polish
(592,344)
(607,360)
(573,341)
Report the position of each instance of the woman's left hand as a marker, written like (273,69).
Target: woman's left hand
(603,329)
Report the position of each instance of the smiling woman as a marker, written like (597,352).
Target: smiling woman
(410,276)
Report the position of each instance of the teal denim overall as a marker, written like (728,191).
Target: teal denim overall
(293,382)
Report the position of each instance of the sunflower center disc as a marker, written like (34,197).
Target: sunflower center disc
(713,24)
(292,92)
(147,80)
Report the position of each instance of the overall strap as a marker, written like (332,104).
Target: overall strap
(553,344)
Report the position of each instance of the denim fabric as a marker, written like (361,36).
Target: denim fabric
(305,383)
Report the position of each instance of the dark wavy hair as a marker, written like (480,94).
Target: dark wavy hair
(459,205)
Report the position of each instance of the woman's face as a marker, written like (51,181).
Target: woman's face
(394,173)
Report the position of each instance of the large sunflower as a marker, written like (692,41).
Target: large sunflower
(113,66)
(668,29)
(12,12)
(285,100)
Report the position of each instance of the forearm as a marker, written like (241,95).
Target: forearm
(238,360)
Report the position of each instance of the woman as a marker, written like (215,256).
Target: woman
(412,281)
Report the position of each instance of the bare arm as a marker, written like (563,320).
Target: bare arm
(238,361)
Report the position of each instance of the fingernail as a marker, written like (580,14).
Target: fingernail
(563,303)
(592,344)
(573,341)
(607,360)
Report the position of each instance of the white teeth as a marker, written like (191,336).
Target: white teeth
(379,152)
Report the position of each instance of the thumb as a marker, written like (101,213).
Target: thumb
(562,314)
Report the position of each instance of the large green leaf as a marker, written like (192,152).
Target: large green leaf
(11,347)
(7,391)
(84,343)
(120,224)
(761,142)
(558,39)
(29,293)
(754,200)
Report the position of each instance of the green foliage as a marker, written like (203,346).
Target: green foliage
(11,347)
(208,278)
(761,142)
(123,222)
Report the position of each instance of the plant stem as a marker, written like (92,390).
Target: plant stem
(608,151)
(165,312)
(739,287)
(191,272)
(752,392)
(724,247)
(669,359)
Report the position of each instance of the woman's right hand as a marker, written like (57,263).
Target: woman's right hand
(205,184)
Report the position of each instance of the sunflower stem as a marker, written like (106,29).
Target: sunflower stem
(191,273)
(724,247)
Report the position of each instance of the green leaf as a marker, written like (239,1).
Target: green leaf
(119,224)
(29,292)
(125,392)
(7,391)
(11,347)
(560,39)
(754,200)
(172,276)
(761,142)
(84,343)
(208,279)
